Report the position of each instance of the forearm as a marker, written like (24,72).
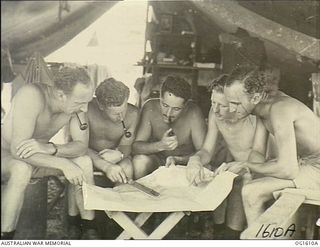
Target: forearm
(272,169)
(256,157)
(141,147)
(125,149)
(72,149)
(203,156)
(183,160)
(98,162)
(46,161)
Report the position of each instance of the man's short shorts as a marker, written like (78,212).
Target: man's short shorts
(159,159)
(309,174)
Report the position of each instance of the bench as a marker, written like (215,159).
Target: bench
(276,221)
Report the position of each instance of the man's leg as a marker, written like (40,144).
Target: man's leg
(257,192)
(75,196)
(74,219)
(219,215)
(18,174)
(235,216)
(75,193)
(144,165)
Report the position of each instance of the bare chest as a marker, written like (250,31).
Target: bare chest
(180,128)
(105,131)
(239,137)
(268,126)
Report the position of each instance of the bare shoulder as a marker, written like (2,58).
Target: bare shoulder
(93,108)
(30,94)
(194,111)
(286,106)
(150,105)
(212,120)
(132,109)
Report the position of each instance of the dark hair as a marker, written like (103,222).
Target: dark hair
(111,92)
(255,80)
(218,83)
(66,78)
(177,86)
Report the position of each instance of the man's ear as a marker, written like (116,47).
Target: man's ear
(61,95)
(256,98)
(101,108)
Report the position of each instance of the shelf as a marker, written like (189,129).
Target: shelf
(174,66)
(182,35)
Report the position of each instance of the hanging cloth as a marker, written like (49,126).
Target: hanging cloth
(7,73)
(37,71)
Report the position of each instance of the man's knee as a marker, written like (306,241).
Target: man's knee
(141,165)
(252,194)
(140,160)
(20,173)
(85,163)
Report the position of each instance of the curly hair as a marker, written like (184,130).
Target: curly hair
(111,92)
(66,78)
(218,83)
(256,80)
(177,86)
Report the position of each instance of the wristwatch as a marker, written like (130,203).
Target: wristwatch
(55,147)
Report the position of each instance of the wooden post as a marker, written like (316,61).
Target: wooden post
(315,78)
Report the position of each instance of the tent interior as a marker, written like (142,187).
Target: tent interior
(289,31)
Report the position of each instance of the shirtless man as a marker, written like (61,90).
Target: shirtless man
(296,130)
(110,141)
(171,128)
(37,113)
(238,135)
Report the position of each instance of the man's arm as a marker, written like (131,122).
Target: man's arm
(195,173)
(207,150)
(27,105)
(198,134)
(98,162)
(78,145)
(125,145)
(113,171)
(259,145)
(286,166)
(199,128)
(141,144)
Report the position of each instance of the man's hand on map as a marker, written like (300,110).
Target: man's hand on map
(115,173)
(170,161)
(235,167)
(195,172)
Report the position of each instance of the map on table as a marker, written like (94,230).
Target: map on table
(176,193)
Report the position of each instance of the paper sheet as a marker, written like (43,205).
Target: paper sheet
(175,193)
